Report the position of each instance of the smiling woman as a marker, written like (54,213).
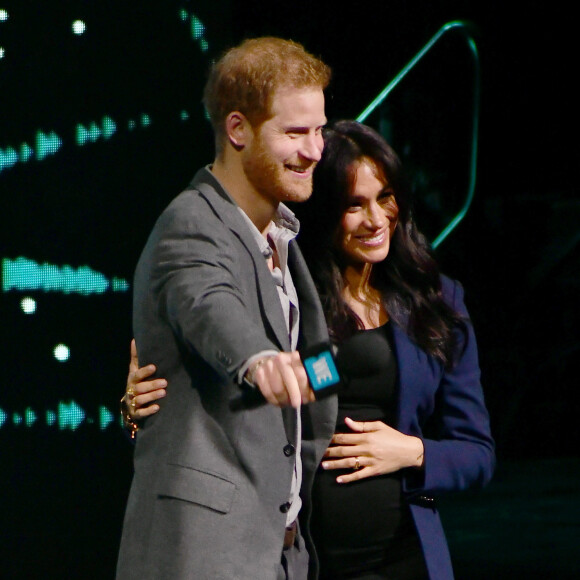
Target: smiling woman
(369,222)
(407,355)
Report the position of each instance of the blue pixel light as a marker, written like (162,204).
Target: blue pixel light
(23,274)
(78,27)
(50,418)
(119,285)
(69,415)
(92,132)
(8,158)
(28,305)
(26,152)
(47,144)
(29,417)
(196,29)
(61,352)
(109,127)
(105,417)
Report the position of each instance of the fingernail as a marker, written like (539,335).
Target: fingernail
(339,480)
(324,465)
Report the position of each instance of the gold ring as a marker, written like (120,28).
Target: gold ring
(132,405)
(131,393)
(356,464)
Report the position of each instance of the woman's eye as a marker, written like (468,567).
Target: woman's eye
(389,203)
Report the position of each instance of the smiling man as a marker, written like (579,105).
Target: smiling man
(222,302)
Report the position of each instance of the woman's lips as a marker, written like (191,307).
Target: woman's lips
(373,240)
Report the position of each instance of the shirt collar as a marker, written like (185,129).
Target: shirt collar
(283,228)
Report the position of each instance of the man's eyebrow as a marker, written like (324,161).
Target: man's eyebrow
(302,128)
(297,129)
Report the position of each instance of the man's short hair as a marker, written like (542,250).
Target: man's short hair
(246,77)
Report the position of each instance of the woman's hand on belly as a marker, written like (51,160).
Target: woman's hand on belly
(373,448)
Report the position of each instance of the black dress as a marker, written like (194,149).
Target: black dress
(364,529)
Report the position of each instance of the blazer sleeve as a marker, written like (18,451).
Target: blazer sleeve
(462,453)
(199,280)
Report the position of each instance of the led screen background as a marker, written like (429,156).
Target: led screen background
(101,126)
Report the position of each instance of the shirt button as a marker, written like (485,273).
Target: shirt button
(289,450)
(285,507)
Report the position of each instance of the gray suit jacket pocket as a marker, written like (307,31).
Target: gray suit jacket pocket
(199,487)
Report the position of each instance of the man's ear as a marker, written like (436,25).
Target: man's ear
(238,129)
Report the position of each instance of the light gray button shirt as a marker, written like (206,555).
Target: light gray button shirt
(282,230)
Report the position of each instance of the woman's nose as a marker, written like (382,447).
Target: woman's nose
(376,216)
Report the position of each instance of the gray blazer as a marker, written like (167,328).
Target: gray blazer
(213,469)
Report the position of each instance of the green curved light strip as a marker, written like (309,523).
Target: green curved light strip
(463,26)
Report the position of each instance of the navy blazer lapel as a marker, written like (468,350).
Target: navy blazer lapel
(229,213)
(419,376)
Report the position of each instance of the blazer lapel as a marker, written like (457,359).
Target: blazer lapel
(227,210)
(419,376)
(410,366)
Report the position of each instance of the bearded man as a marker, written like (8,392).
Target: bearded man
(222,302)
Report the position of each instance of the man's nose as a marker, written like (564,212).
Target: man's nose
(312,146)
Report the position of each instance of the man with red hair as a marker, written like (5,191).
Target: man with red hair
(222,302)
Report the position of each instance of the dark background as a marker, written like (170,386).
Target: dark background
(62,491)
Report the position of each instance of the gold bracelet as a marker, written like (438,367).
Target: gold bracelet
(128,422)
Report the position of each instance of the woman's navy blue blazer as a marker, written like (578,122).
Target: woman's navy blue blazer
(446,410)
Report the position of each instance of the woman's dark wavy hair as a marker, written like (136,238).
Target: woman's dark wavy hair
(409,279)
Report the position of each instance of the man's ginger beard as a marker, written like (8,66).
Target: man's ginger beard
(270,178)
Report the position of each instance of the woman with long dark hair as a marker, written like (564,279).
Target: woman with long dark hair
(411,420)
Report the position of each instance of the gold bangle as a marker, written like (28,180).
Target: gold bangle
(128,422)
